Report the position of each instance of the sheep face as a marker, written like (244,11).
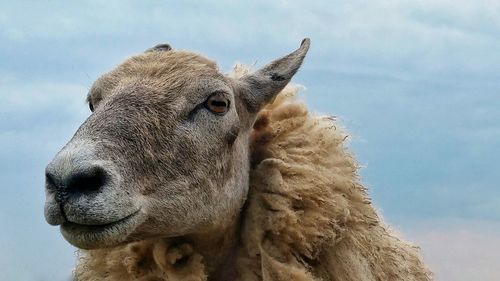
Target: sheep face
(164,152)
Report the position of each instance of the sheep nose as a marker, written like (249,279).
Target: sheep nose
(81,181)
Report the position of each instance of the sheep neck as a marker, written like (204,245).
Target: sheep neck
(220,264)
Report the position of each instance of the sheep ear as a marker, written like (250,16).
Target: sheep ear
(159,48)
(264,84)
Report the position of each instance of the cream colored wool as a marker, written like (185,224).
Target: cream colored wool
(307,216)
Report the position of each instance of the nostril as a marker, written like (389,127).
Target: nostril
(50,182)
(54,186)
(87,181)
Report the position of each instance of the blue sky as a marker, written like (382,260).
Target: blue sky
(415,82)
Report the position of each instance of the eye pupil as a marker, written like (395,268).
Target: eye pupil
(217,103)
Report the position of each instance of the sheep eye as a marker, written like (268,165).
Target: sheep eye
(217,103)
(91,106)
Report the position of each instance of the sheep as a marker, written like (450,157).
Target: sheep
(182,173)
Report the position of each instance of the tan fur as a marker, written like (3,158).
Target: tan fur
(307,216)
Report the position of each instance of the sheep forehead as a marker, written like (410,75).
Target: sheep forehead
(154,63)
(171,71)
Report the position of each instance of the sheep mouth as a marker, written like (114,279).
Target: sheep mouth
(92,236)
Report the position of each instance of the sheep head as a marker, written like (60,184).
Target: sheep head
(165,151)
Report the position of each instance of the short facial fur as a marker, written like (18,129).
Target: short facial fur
(152,160)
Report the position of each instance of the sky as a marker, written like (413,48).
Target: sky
(416,83)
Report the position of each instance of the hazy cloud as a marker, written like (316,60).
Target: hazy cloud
(416,82)
(459,250)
